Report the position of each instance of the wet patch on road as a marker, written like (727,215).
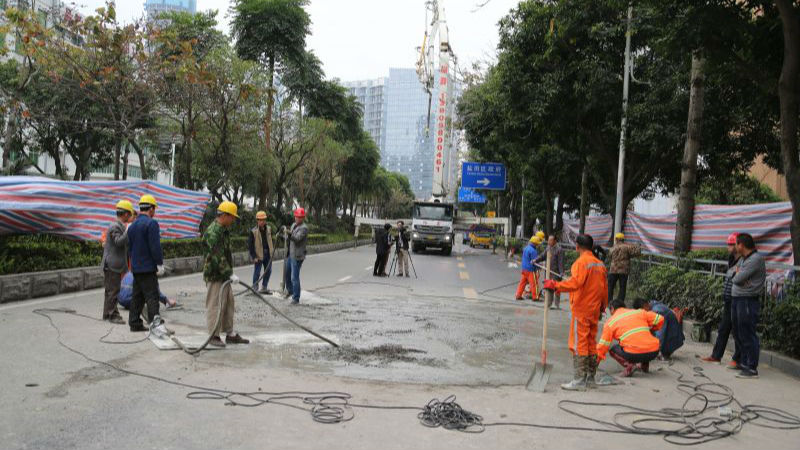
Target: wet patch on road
(86,376)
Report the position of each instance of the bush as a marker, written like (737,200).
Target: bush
(700,294)
(780,324)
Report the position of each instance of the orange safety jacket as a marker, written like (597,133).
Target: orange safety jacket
(588,287)
(632,328)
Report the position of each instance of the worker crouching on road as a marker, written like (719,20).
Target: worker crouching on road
(259,244)
(298,235)
(147,263)
(671,334)
(115,260)
(588,299)
(529,276)
(218,269)
(621,254)
(633,329)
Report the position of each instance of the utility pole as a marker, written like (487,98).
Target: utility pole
(623,127)
(172,166)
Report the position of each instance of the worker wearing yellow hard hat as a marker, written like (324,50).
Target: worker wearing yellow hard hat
(621,255)
(115,260)
(540,235)
(147,200)
(219,277)
(259,244)
(147,264)
(529,275)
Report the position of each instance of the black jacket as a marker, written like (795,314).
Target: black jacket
(403,238)
(382,241)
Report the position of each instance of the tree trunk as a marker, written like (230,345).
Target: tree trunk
(584,197)
(10,131)
(117,151)
(685,220)
(559,215)
(125,162)
(788,92)
(264,188)
(140,154)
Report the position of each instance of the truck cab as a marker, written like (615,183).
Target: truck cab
(432,226)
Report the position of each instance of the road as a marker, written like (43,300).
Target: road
(453,330)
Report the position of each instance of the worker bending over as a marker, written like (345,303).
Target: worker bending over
(633,328)
(588,299)
(218,269)
(671,334)
(528,276)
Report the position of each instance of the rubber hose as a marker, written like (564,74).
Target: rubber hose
(222,301)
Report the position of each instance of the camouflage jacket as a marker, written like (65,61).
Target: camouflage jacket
(219,261)
(621,255)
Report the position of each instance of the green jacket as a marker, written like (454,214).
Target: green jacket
(219,261)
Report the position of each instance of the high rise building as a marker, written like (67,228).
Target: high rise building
(396,116)
(156,7)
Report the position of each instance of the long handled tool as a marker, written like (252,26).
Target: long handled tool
(541,371)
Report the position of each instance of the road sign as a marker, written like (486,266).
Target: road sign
(491,214)
(467,195)
(483,176)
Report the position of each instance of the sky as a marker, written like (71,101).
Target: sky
(361,39)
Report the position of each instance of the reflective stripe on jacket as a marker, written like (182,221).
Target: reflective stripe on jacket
(633,329)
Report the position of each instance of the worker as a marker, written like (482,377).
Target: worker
(115,260)
(297,237)
(259,244)
(671,335)
(588,300)
(401,250)
(621,254)
(217,270)
(528,276)
(556,265)
(383,246)
(126,293)
(726,321)
(632,328)
(147,264)
(750,276)
(540,234)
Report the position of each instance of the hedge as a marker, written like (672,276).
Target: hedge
(36,253)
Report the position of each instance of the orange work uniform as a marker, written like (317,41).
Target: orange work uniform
(633,329)
(588,288)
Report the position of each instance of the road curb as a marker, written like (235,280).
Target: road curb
(30,285)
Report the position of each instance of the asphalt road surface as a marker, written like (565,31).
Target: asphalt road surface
(455,329)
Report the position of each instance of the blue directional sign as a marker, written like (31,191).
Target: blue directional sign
(483,176)
(467,195)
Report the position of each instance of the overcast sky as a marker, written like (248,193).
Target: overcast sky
(361,39)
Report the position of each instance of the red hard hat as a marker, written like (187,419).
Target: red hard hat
(732,238)
(299,212)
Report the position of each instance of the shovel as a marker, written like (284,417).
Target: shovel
(541,371)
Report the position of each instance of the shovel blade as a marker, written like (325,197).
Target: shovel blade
(539,378)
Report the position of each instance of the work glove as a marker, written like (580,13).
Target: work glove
(550,285)
(160,271)
(234,279)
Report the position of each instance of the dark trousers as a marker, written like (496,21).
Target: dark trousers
(633,357)
(623,285)
(145,291)
(745,315)
(724,332)
(380,263)
(112,282)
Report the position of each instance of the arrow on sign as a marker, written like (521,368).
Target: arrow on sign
(485,181)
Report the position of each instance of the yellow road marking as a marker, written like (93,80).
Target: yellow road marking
(470,293)
(461,265)
(464,275)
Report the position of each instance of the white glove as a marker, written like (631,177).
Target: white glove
(234,279)
(160,271)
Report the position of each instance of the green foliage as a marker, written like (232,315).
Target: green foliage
(735,190)
(678,288)
(716,254)
(780,322)
(270,30)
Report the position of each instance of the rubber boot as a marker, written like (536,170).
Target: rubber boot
(645,367)
(591,371)
(579,383)
(626,365)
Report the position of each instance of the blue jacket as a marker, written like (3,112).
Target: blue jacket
(529,255)
(144,244)
(671,334)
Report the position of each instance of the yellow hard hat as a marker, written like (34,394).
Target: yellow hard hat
(261,215)
(125,206)
(619,236)
(540,234)
(535,240)
(229,208)
(148,199)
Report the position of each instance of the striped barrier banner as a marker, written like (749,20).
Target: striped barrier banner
(767,222)
(82,210)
